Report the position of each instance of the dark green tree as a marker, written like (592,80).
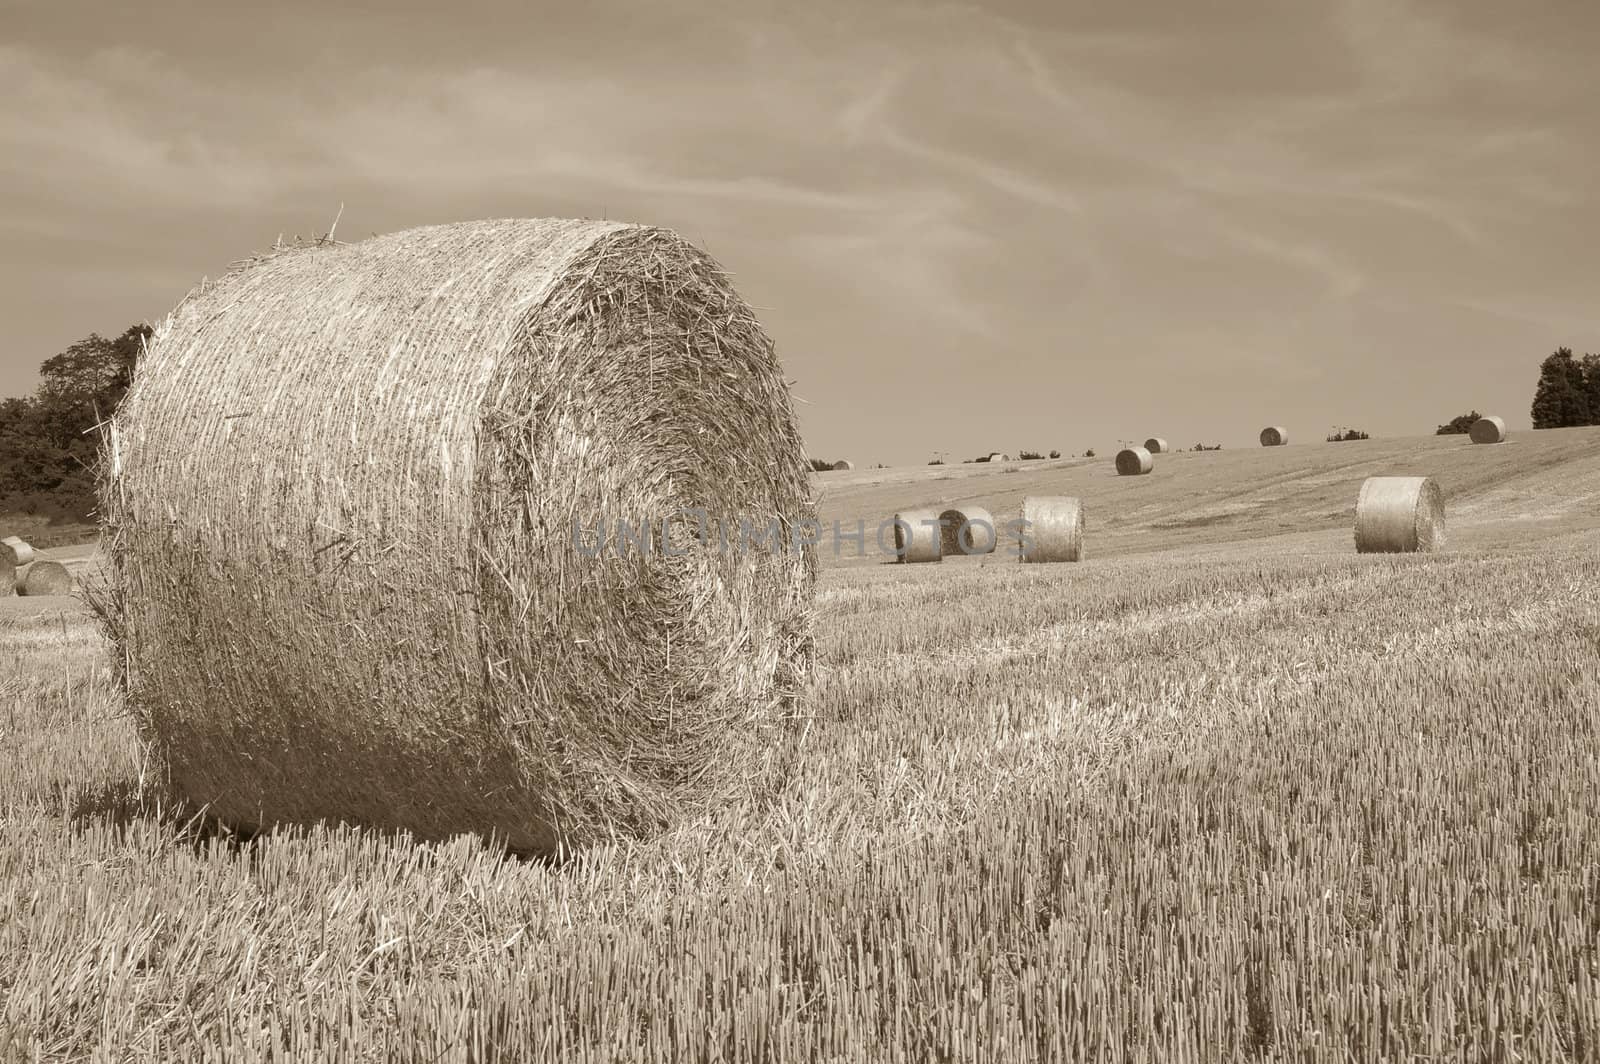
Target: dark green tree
(1560,401)
(1459,425)
(1590,367)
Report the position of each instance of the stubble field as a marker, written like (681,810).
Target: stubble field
(1224,791)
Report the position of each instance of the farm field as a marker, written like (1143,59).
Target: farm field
(1223,791)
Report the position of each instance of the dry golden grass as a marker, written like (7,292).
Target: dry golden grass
(1265,801)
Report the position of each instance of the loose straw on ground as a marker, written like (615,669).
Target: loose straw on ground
(1399,515)
(1052,530)
(528,401)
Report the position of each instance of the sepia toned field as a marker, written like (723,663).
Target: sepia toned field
(1224,791)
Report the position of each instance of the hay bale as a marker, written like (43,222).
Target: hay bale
(1053,529)
(1488,430)
(307,435)
(966,530)
(998,456)
(918,536)
(1274,436)
(8,573)
(844,463)
(1399,515)
(21,553)
(1156,445)
(1134,461)
(44,577)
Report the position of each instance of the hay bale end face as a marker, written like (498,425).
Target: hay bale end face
(999,456)
(1053,529)
(1274,436)
(844,463)
(526,398)
(1399,515)
(1156,445)
(44,577)
(918,536)
(966,530)
(1134,461)
(1488,430)
(21,552)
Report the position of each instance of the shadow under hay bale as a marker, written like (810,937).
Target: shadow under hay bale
(1488,430)
(1399,515)
(1053,529)
(44,577)
(524,397)
(1156,445)
(966,530)
(1134,461)
(1274,436)
(918,536)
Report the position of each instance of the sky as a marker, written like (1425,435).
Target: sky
(967,227)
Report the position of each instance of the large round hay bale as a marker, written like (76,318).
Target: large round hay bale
(1134,461)
(1397,515)
(532,401)
(1274,436)
(44,577)
(1488,430)
(1156,445)
(8,573)
(844,463)
(918,536)
(21,553)
(1053,529)
(998,456)
(966,530)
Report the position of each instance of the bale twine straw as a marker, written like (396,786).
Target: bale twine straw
(966,530)
(844,463)
(1488,430)
(531,400)
(21,553)
(1274,436)
(43,577)
(918,536)
(1053,529)
(1397,515)
(1134,461)
(1156,445)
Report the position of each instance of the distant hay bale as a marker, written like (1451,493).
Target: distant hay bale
(21,553)
(998,456)
(1274,436)
(375,518)
(1488,430)
(1396,515)
(844,463)
(44,577)
(1156,445)
(1053,529)
(1134,461)
(966,530)
(918,536)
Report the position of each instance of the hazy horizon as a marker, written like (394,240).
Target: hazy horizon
(967,228)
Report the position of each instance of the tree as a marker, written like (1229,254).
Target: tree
(1341,434)
(1590,368)
(1561,398)
(1459,425)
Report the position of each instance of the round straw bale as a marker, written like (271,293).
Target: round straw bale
(844,463)
(918,536)
(1399,515)
(534,400)
(966,530)
(998,456)
(1488,430)
(1274,436)
(1053,529)
(20,552)
(8,573)
(1134,461)
(43,577)
(1156,445)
